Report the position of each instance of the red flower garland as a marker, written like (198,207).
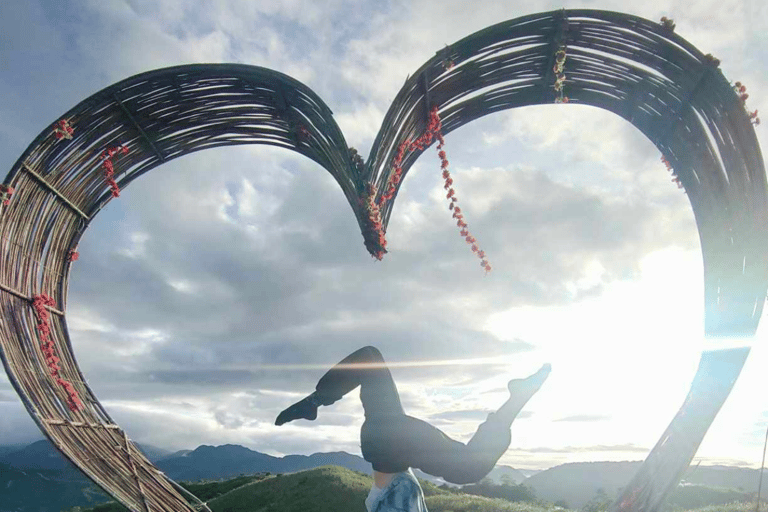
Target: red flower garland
(73,255)
(375,241)
(39,303)
(741,90)
(303,133)
(560,75)
(433,131)
(63,130)
(5,194)
(675,178)
(109,170)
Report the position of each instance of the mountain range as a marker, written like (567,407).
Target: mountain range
(24,470)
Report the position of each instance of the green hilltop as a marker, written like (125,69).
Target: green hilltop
(323,489)
(334,488)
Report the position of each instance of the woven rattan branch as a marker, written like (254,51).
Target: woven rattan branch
(139,128)
(50,187)
(635,68)
(20,295)
(127,452)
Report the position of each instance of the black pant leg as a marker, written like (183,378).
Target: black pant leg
(395,443)
(365,368)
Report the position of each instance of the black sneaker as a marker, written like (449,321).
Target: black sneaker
(305,409)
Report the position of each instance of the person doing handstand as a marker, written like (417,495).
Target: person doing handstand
(394,442)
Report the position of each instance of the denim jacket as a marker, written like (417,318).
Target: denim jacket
(402,494)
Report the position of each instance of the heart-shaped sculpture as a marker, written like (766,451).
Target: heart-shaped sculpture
(633,67)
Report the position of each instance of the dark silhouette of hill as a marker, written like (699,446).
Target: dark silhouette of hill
(43,455)
(577,483)
(216,462)
(40,464)
(500,472)
(325,489)
(44,490)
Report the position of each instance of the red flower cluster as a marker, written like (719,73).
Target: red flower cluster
(375,241)
(302,134)
(39,303)
(668,23)
(627,503)
(675,179)
(433,131)
(711,60)
(109,170)
(63,130)
(741,90)
(5,194)
(560,75)
(73,255)
(451,195)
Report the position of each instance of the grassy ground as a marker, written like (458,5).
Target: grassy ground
(332,488)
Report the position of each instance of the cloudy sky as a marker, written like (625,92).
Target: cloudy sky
(217,289)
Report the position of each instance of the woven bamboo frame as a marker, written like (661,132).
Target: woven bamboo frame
(638,69)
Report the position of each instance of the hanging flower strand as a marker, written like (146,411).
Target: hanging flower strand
(451,196)
(433,131)
(5,194)
(39,304)
(109,169)
(559,68)
(675,178)
(375,241)
(741,90)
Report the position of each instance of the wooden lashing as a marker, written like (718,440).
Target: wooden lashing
(109,426)
(20,295)
(135,473)
(707,71)
(560,33)
(139,128)
(55,192)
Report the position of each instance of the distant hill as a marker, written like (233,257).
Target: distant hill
(44,491)
(577,483)
(9,448)
(43,455)
(724,476)
(500,472)
(334,489)
(216,462)
(38,455)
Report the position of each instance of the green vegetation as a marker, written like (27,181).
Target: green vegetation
(333,488)
(508,490)
(317,490)
(205,491)
(697,496)
(731,507)
(469,503)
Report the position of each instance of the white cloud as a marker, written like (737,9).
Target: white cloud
(232,272)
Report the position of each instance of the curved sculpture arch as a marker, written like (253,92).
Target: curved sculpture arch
(635,68)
